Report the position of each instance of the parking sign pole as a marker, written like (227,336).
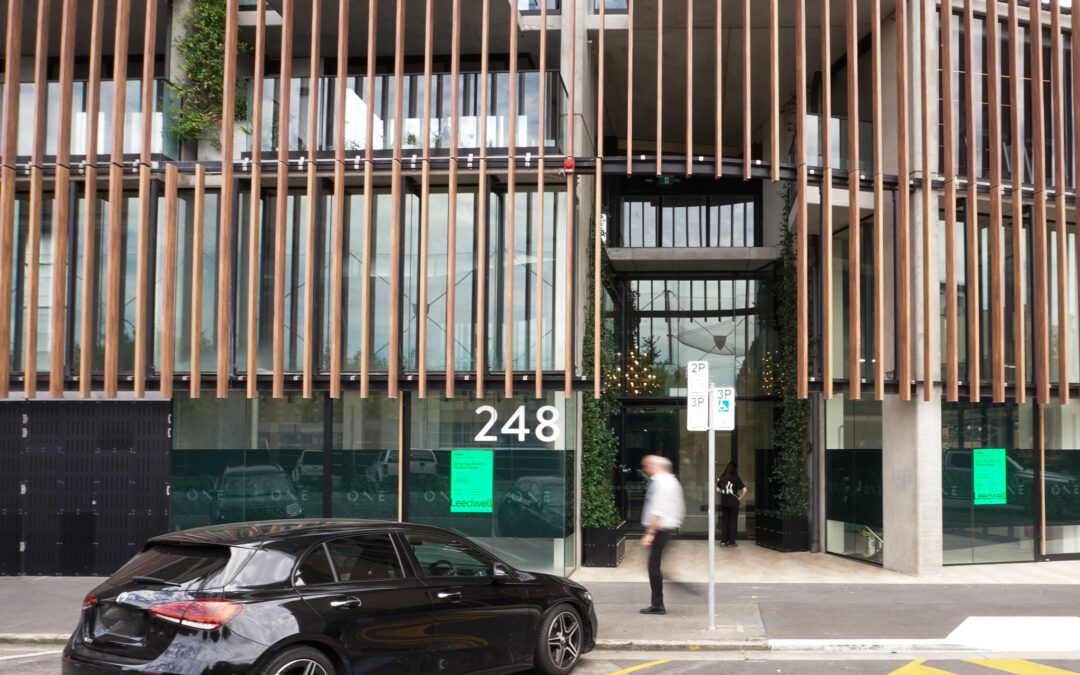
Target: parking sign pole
(712,515)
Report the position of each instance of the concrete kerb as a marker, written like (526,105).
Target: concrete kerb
(34,638)
(804,646)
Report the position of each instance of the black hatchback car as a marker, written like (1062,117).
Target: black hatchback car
(320,597)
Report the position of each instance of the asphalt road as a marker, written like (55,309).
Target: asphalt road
(608,663)
(37,659)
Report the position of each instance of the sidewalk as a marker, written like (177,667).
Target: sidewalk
(817,602)
(764,601)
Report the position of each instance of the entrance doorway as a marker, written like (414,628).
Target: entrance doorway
(660,429)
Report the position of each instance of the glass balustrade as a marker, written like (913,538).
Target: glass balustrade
(470,122)
(163,141)
(838,155)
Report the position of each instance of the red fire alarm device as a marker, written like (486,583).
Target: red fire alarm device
(568,165)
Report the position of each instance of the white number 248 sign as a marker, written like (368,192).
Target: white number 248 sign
(547,424)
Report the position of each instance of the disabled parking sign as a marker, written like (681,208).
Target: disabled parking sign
(722,406)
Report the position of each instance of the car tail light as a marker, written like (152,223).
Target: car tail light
(89,601)
(384,468)
(200,614)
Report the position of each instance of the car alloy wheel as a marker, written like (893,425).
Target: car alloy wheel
(564,640)
(301,666)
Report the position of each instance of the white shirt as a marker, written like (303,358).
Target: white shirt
(665,499)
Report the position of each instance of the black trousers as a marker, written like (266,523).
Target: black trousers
(656,552)
(729,523)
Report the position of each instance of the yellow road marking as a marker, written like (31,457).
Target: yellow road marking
(917,668)
(641,667)
(1019,667)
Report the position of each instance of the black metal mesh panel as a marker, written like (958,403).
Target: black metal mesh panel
(10,530)
(96,474)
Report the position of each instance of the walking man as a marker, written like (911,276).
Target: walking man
(661,515)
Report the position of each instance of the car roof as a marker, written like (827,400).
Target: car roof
(260,532)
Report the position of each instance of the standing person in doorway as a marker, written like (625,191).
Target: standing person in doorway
(661,515)
(732,490)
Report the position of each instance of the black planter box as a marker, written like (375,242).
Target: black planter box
(604,546)
(782,533)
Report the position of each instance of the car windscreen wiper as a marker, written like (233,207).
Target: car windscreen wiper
(153,580)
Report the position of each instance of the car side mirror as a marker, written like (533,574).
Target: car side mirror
(500,573)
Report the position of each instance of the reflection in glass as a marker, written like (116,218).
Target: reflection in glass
(853,498)
(20,281)
(976,533)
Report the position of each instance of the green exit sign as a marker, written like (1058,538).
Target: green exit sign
(665,180)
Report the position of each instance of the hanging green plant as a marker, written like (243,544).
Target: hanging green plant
(599,444)
(202,61)
(791,424)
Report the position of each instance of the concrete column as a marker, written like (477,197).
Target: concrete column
(911,484)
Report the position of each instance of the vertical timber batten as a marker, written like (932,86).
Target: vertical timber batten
(630,85)
(1060,221)
(281,196)
(369,159)
(255,203)
(972,213)
(168,285)
(1040,295)
(802,299)
(568,372)
(143,242)
(93,106)
(774,90)
(925,8)
(30,324)
(312,205)
(689,90)
(511,212)
(718,85)
(199,216)
(854,224)
(394,352)
(7,182)
(903,220)
(879,205)
(659,86)
(826,201)
(451,224)
(597,279)
(949,142)
(542,125)
(997,295)
(337,240)
(481,227)
(747,109)
(1017,202)
(62,202)
(425,199)
(116,201)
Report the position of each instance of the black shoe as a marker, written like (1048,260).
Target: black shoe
(733,544)
(653,609)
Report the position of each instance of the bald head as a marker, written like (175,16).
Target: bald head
(650,464)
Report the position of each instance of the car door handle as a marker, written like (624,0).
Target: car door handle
(449,595)
(346,602)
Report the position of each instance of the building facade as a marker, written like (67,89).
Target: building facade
(377,288)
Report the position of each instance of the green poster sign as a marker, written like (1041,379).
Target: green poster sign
(471,476)
(988,466)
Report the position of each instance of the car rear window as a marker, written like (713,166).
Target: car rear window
(175,564)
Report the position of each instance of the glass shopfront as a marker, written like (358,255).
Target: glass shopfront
(853,497)
(987,482)
(497,470)
(1061,478)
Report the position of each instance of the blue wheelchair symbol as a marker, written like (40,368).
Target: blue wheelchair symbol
(725,406)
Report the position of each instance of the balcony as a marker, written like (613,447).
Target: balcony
(838,154)
(356,107)
(163,141)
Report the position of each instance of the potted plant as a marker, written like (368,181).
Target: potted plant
(784,527)
(603,531)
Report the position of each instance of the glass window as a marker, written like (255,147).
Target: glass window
(366,558)
(1061,480)
(853,489)
(364,480)
(444,557)
(315,569)
(21,281)
(693,221)
(974,531)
